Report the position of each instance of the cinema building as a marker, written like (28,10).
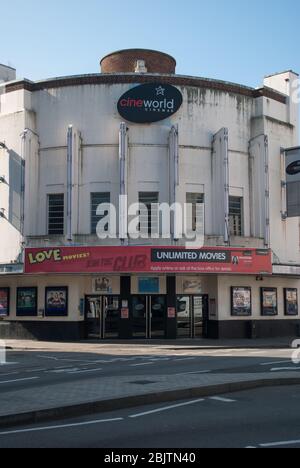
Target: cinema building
(138,129)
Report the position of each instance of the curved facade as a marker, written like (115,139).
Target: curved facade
(132,60)
(222,147)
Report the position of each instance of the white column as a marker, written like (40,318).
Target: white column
(69,181)
(220,184)
(260,188)
(123,168)
(174,175)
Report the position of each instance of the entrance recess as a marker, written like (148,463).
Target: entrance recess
(149,315)
(192,316)
(102,316)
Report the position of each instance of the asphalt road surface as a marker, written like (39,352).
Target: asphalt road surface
(265,418)
(33,369)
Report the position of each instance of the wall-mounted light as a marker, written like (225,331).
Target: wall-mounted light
(3,145)
(259,278)
(2,212)
(2,180)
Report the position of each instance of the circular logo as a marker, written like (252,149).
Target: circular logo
(293,168)
(150,103)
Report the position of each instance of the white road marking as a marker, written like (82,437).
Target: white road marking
(19,380)
(195,373)
(52,358)
(10,373)
(108,361)
(143,364)
(223,400)
(272,363)
(159,359)
(63,371)
(167,408)
(101,362)
(36,370)
(84,371)
(49,357)
(185,359)
(9,364)
(278,369)
(125,359)
(281,444)
(65,426)
(61,368)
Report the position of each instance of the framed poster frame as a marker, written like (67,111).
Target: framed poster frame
(27,310)
(269,310)
(240,310)
(59,296)
(5,291)
(291,308)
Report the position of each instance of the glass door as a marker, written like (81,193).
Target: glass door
(149,316)
(102,317)
(93,317)
(111,316)
(158,315)
(140,316)
(184,317)
(192,316)
(197,317)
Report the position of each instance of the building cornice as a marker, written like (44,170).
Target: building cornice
(132,78)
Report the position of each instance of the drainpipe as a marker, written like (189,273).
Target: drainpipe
(69,181)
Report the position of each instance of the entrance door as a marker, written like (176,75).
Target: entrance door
(102,317)
(149,315)
(192,316)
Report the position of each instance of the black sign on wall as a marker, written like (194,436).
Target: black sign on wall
(150,103)
(190,256)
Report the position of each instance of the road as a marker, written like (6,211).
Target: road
(265,418)
(31,369)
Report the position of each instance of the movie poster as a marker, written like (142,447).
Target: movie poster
(56,302)
(291,302)
(192,285)
(241,302)
(269,302)
(4,302)
(27,302)
(103,285)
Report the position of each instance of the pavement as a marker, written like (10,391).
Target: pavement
(134,345)
(50,381)
(263,418)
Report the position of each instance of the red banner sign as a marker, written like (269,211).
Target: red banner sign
(154,260)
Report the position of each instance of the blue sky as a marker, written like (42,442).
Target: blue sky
(234,40)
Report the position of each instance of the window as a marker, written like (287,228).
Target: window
(96,200)
(236,216)
(147,199)
(194,199)
(56,214)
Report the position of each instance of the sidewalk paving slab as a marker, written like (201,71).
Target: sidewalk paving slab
(114,347)
(51,402)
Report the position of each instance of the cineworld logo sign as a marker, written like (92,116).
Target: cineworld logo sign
(294,168)
(150,103)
